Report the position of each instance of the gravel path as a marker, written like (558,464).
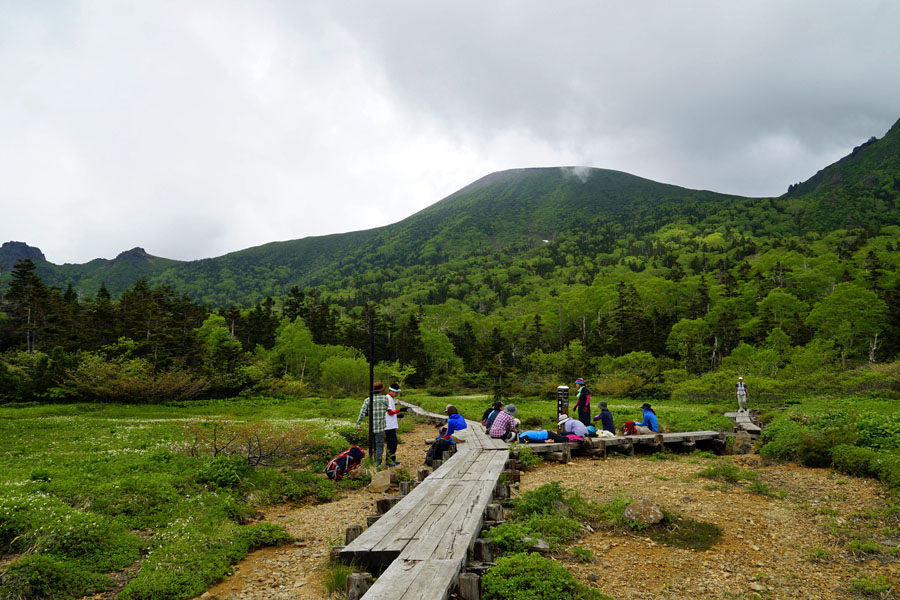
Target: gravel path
(765,551)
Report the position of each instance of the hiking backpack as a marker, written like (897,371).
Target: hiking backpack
(629,428)
(344,462)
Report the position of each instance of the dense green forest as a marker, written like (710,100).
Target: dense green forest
(520,281)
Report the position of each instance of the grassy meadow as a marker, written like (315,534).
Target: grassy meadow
(169,493)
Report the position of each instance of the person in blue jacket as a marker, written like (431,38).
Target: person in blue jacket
(456,425)
(541,435)
(649,424)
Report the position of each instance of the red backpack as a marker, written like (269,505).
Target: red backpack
(628,428)
(344,462)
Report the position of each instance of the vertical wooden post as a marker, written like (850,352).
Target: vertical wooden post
(422,473)
(469,586)
(482,551)
(405,486)
(358,584)
(353,532)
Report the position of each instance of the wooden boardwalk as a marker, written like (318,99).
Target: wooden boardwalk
(424,540)
(599,446)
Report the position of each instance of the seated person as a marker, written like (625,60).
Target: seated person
(606,419)
(541,435)
(572,426)
(487,419)
(456,425)
(504,425)
(649,424)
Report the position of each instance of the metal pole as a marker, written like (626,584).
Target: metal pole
(371,380)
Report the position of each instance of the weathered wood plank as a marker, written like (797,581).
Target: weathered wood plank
(411,579)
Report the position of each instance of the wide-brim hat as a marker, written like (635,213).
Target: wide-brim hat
(511,409)
(646,405)
(563,419)
(603,404)
(377,387)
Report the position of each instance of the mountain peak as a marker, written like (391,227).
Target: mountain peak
(13,252)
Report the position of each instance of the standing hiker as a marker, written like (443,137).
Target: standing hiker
(391,423)
(740,390)
(378,415)
(583,403)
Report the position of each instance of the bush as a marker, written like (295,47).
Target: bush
(222,471)
(807,439)
(42,576)
(131,381)
(530,576)
(868,463)
(528,457)
(520,536)
(878,431)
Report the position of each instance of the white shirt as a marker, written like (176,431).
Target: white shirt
(390,421)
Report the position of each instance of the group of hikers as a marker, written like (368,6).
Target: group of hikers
(500,421)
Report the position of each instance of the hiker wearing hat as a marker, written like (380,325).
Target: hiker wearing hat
(649,424)
(569,425)
(606,419)
(504,425)
(378,417)
(740,391)
(391,424)
(583,403)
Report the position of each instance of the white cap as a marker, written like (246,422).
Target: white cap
(740,378)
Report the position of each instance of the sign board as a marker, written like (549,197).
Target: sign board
(562,401)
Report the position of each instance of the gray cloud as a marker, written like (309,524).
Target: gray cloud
(196,129)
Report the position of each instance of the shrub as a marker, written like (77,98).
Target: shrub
(222,471)
(131,381)
(808,439)
(259,443)
(727,472)
(528,457)
(520,535)
(549,499)
(42,576)
(868,463)
(530,576)
(878,431)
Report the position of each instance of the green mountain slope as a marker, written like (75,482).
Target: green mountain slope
(539,218)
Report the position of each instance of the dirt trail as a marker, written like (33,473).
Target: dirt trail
(771,547)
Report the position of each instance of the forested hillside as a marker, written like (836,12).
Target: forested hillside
(522,279)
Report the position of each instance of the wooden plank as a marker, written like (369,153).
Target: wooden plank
(443,497)
(413,508)
(496,466)
(451,533)
(410,579)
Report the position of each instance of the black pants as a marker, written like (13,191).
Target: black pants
(584,415)
(390,440)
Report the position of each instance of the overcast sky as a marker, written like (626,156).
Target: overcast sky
(198,128)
